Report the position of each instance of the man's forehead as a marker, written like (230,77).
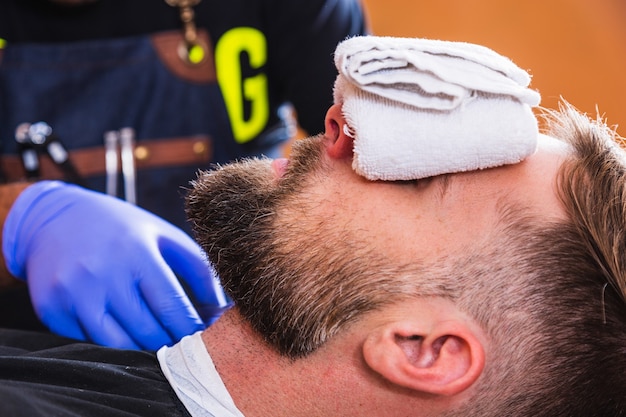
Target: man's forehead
(483,193)
(533,182)
(546,145)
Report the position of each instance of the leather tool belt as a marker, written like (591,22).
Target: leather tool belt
(90,162)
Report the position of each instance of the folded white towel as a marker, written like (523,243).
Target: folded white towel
(419,107)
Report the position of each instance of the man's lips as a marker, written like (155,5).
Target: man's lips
(279,166)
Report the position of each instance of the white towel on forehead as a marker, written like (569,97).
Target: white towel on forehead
(419,107)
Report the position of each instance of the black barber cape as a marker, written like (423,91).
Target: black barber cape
(46,375)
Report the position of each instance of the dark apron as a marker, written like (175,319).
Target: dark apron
(85,89)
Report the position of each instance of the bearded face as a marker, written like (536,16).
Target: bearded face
(295,275)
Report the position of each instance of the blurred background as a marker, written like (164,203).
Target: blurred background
(573,48)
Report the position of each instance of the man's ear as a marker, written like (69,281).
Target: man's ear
(444,359)
(336,128)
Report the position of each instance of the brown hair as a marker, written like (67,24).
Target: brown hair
(552,295)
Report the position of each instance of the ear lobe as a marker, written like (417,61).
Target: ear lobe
(444,361)
(336,129)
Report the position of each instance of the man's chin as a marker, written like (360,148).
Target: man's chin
(224,204)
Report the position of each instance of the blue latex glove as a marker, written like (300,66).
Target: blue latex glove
(104,270)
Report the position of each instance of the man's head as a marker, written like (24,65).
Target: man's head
(500,285)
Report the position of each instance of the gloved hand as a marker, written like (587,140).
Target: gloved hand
(104,270)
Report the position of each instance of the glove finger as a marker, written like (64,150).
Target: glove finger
(104,329)
(62,324)
(112,316)
(144,328)
(165,297)
(138,321)
(189,262)
(52,312)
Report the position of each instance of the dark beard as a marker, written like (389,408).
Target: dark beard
(296,278)
(232,211)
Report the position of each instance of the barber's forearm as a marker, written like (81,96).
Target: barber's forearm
(8,195)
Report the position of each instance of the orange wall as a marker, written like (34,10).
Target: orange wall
(572,48)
